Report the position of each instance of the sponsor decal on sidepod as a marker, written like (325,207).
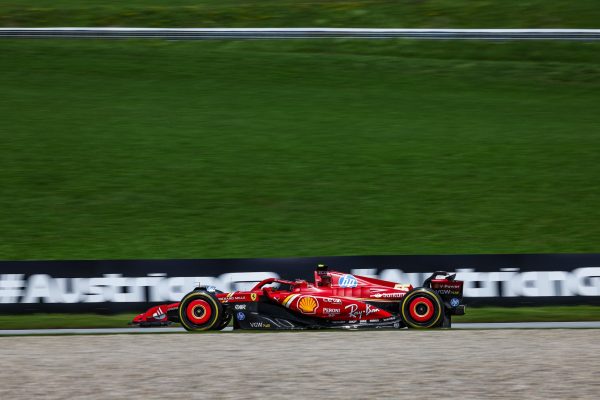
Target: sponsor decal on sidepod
(353,311)
(308,305)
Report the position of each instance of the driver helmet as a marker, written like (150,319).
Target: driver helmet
(324,275)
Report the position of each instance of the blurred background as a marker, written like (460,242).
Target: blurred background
(131,149)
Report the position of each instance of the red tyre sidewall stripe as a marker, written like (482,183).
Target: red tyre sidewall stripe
(193,305)
(413,309)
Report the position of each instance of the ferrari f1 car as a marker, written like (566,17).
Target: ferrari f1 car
(335,300)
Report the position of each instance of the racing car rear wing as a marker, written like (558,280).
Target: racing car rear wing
(448,288)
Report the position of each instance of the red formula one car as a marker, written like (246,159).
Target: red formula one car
(335,300)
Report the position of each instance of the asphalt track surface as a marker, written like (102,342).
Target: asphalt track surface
(462,326)
(453,364)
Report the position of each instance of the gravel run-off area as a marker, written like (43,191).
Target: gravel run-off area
(507,364)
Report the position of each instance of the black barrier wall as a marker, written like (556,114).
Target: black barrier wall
(132,285)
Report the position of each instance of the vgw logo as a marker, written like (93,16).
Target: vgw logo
(348,281)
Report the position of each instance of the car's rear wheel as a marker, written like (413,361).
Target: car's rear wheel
(200,311)
(422,308)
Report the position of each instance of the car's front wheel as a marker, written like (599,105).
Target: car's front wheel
(422,308)
(200,311)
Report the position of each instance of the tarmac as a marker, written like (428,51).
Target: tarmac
(461,326)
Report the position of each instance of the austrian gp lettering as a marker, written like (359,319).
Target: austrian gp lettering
(510,282)
(18,288)
(155,287)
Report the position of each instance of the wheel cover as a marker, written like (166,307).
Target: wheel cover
(421,309)
(198,311)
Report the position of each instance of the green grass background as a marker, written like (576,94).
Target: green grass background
(294,13)
(161,149)
(156,149)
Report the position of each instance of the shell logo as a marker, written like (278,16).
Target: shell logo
(308,305)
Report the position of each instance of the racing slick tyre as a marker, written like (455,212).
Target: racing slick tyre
(200,311)
(422,308)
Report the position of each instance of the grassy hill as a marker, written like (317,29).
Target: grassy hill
(157,149)
(293,13)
